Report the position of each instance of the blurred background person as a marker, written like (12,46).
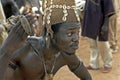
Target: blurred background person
(113,26)
(3,33)
(95,27)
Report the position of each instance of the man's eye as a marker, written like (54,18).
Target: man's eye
(69,34)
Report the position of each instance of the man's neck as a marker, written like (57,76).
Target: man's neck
(50,52)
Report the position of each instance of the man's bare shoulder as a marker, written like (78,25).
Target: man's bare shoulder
(36,41)
(27,49)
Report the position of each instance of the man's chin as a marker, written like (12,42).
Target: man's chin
(70,51)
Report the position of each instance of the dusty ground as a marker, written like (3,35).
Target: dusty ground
(84,54)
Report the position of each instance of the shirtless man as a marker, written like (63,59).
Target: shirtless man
(41,57)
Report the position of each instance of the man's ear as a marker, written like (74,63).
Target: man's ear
(54,35)
(54,39)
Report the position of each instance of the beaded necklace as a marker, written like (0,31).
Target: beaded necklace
(48,76)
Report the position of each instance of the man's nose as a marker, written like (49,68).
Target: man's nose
(75,37)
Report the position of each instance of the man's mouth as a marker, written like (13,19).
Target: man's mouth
(74,46)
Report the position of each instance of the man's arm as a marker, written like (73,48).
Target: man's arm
(105,25)
(9,74)
(13,61)
(15,39)
(76,66)
(108,11)
(12,43)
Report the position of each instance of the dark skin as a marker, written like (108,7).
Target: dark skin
(10,46)
(29,60)
(14,41)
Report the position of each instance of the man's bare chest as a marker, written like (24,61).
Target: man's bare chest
(35,67)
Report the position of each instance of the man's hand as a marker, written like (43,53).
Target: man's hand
(105,26)
(104,29)
(19,33)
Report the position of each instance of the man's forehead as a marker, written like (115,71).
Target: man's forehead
(69,26)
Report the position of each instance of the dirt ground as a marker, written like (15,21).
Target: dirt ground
(84,54)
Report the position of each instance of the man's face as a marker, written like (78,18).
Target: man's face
(67,38)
